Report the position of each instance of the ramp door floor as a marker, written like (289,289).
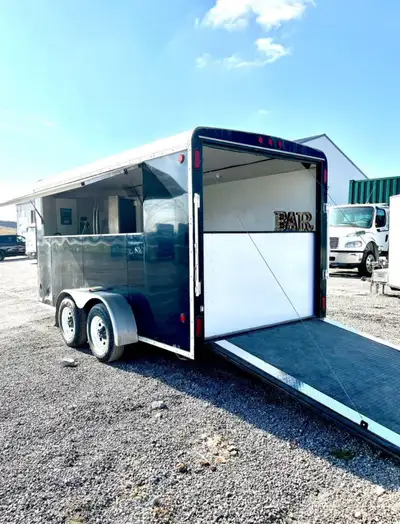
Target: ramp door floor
(325,356)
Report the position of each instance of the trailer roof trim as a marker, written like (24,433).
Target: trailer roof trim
(101,169)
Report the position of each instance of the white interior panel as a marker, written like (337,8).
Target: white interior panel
(241,292)
(251,203)
(394,242)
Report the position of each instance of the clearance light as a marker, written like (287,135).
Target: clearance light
(183,318)
(325,176)
(181,159)
(197,159)
(280,144)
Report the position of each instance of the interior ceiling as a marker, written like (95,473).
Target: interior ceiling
(130,184)
(221,165)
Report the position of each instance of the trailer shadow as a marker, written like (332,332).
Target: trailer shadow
(216,381)
(344,274)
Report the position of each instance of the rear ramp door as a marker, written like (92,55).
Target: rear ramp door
(351,377)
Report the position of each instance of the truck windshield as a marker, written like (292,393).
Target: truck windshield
(351,216)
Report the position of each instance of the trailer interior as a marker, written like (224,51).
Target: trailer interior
(261,295)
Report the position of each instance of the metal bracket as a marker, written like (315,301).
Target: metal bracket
(364,424)
(325,274)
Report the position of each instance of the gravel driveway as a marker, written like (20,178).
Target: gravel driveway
(154,439)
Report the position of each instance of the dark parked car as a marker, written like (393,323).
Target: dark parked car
(11,246)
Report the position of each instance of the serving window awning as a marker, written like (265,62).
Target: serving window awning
(102,169)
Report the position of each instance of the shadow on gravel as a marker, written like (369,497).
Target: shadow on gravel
(345,274)
(218,382)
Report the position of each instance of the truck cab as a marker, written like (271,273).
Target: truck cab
(358,236)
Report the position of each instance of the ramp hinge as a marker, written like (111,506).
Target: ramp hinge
(364,424)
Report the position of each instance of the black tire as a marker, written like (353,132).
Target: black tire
(100,335)
(364,268)
(2,256)
(72,323)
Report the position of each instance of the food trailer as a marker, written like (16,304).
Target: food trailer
(214,237)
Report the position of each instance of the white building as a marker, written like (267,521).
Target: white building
(340,168)
(25,218)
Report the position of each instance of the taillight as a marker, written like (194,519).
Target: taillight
(199,326)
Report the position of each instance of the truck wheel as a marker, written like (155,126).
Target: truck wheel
(72,322)
(100,335)
(367,264)
(2,256)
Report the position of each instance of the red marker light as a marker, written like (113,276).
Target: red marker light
(260,140)
(183,318)
(325,176)
(270,142)
(323,303)
(280,144)
(181,159)
(197,159)
(199,326)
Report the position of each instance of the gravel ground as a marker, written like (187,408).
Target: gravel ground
(154,439)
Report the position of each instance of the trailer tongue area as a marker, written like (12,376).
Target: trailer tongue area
(352,378)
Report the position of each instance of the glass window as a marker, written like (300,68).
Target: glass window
(380,220)
(358,216)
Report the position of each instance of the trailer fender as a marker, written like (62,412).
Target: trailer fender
(121,314)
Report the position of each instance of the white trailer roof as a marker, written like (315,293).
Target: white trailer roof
(101,169)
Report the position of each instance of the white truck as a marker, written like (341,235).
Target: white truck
(358,236)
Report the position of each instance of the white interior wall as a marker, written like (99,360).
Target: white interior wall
(240,290)
(255,200)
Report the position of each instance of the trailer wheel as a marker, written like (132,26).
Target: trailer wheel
(2,256)
(72,322)
(100,335)
(367,264)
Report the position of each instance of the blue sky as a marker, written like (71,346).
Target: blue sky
(83,80)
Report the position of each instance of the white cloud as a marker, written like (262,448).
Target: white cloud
(204,60)
(235,14)
(267,52)
(271,51)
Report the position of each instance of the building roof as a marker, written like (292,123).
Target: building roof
(324,135)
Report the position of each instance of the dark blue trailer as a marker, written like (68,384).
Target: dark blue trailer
(212,237)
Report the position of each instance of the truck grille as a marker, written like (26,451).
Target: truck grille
(333,242)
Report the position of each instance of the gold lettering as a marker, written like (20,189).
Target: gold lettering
(293,221)
(304,222)
(280,220)
(291,224)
